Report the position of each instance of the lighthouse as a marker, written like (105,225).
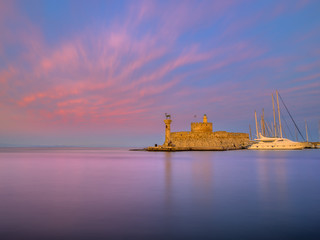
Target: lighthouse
(167,122)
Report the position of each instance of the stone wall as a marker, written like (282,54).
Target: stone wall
(209,140)
(201,127)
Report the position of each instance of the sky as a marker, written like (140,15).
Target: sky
(103,73)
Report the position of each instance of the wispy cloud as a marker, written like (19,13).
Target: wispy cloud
(153,58)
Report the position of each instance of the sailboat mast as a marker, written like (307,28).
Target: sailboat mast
(307,131)
(279,115)
(274,118)
(255,117)
(250,132)
(263,124)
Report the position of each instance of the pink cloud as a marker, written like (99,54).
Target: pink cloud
(310,86)
(115,75)
(308,78)
(302,3)
(308,67)
(77,101)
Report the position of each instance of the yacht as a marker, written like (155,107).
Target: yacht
(274,143)
(277,142)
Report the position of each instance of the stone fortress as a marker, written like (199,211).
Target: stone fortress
(201,137)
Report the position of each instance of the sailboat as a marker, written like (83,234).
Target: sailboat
(274,143)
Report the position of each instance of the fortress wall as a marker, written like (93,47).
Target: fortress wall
(230,134)
(216,140)
(201,127)
(179,134)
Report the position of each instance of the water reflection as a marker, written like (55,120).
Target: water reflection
(272,178)
(168,180)
(193,174)
(202,174)
(148,195)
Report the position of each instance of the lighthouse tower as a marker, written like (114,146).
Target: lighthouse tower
(167,121)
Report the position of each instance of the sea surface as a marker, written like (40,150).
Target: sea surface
(101,193)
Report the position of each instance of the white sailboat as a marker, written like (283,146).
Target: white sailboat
(274,143)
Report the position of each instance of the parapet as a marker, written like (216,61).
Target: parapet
(200,127)
(224,134)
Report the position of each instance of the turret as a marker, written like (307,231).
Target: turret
(205,120)
(202,127)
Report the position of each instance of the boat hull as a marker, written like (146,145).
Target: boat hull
(265,143)
(275,148)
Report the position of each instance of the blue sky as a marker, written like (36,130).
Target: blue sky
(105,72)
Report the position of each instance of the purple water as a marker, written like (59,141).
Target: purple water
(121,194)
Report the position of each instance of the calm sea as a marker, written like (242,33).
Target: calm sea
(92,193)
